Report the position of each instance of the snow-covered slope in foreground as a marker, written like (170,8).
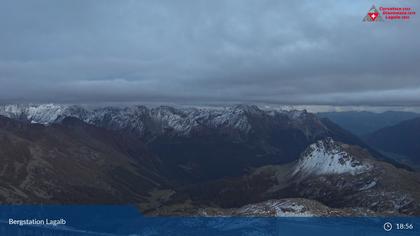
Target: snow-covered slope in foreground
(287,207)
(328,157)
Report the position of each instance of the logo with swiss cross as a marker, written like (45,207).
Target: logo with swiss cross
(373,15)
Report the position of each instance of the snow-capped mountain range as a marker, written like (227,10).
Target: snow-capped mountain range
(141,119)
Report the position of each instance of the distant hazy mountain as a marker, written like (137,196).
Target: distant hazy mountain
(361,123)
(402,140)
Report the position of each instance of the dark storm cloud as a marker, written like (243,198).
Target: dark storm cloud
(298,52)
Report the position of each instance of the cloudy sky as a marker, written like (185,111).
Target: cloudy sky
(192,51)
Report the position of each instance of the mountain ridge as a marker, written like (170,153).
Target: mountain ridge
(400,139)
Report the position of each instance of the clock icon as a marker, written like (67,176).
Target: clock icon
(387,226)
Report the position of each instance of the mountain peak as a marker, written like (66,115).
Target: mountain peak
(247,108)
(327,157)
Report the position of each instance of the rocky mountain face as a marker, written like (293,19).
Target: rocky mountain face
(342,175)
(238,160)
(341,179)
(73,162)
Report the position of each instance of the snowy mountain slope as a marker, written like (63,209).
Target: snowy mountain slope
(328,157)
(286,207)
(342,175)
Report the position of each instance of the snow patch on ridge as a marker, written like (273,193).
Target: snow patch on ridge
(42,114)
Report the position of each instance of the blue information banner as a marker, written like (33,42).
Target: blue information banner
(127,220)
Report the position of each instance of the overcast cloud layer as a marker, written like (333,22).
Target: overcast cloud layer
(294,52)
